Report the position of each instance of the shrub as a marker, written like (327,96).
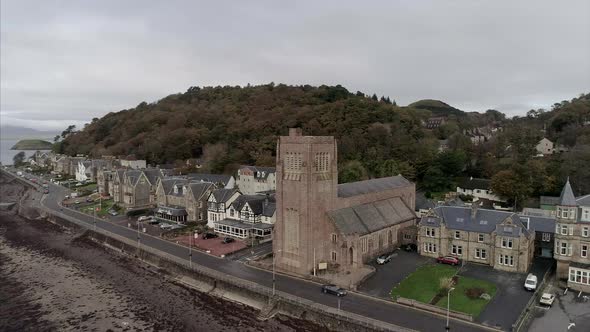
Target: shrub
(474,293)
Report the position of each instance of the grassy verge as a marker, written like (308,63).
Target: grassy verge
(106,205)
(463,303)
(424,283)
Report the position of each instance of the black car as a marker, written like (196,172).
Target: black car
(209,236)
(228,240)
(334,290)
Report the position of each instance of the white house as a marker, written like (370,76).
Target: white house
(479,189)
(134,164)
(544,146)
(249,216)
(217,204)
(84,170)
(253,179)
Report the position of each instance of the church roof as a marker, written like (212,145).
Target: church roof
(373,185)
(368,218)
(567,197)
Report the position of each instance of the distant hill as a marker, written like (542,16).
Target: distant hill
(437,107)
(15,132)
(32,144)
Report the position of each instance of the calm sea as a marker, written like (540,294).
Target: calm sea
(6,154)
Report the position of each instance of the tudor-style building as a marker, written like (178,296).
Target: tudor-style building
(249,217)
(218,203)
(572,239)
(322,224)
(496,238)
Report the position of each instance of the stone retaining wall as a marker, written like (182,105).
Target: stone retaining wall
(433,308)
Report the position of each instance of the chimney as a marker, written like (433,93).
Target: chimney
(474,206)
(295,132)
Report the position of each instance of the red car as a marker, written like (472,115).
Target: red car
(448,260)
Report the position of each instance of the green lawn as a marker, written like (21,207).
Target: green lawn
(106,205)
(423,284)
(460,301)
(89,187)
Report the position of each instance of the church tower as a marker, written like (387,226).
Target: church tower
(307,187)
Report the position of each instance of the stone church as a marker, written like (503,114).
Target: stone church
(323,226)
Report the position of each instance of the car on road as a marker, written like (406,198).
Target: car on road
(77,202)
(143,218)
(547,299)
(383,259)
(448,260)
(530,283)
(209,236)
(89,200)
(46,191)
(228,240)
(334,290)
(67,197)
(166,226)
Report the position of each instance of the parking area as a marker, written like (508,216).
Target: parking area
(392,273)
(214,246)
(570,312)
(511,297)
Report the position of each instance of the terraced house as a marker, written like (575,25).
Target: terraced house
(572,239)
(182,200)
(496,238)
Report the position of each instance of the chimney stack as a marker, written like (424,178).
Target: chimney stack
(474,206)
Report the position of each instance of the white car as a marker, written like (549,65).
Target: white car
(530,283)
(547,299)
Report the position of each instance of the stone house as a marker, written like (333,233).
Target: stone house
(249,216)
(181,200)
(544,229)
(435,122)
(495,238)
(572,239)
(254,179)
(330,228)
(135,188)
(220,180)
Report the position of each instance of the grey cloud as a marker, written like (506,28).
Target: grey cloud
(70,61)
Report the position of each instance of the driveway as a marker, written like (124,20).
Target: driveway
(568,309)
(511,297)
(390,274)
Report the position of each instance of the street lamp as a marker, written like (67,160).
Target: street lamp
(190,248)
(448,306)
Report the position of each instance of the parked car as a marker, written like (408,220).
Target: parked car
(228,240)
(46,191)
(547,299)
(143,218)
(153,221)
(530,283)
(334,290)
(67,197)
(112,212)
(383,259)
(209,236)
(89,200)
(166,226)
(448,260)
(77,201)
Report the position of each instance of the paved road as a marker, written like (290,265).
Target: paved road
(354,303)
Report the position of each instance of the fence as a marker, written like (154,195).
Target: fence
(433,308)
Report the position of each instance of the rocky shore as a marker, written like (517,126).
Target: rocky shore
(55,280)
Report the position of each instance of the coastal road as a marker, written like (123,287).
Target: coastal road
(353,302)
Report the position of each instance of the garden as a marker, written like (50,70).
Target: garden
(104,205)
(430,284)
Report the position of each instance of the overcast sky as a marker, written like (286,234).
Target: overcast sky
(65,62)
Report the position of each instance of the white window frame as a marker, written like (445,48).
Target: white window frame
(546,237)
(584,250)
(564,230)
(480,253)
(457,250)
(585,231)
(457,234)
(579,276)
(480,237)
(507,243)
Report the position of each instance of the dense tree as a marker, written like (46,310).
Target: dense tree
(18,159)
(352,171)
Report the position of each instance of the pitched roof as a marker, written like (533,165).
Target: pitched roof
(423,203)
(540,224)
(152,174)
(460,218)
(474,183)
(222,195)
(367,218)
(200,189)
(213,178)
(373,185)
(260,172)
(259,204)
(567,197)
(583,201)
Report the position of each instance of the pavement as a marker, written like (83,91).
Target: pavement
(511,298)
(392,273)
(353,303)
(569,312)
(248,254)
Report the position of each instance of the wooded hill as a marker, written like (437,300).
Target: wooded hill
(229,126)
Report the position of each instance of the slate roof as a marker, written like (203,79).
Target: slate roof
(244,225)
(168,184)
(152,174)
(567,197)
(423,203)
(485,221)
(548,200)
(583,201)
(213,178)
(373,185)
(258,204)
(367,218)
(474,183)
(222,195)
(540,224)
(200,189)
